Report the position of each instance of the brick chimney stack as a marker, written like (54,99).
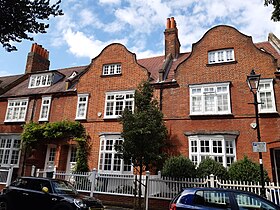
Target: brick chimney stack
(37,59)
(172,43)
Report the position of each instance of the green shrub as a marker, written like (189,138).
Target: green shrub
(246,170)
(178,167)
(209,166)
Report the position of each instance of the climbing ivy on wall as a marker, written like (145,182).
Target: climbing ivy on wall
(34,133)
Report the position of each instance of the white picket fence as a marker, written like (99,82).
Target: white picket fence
(158,187)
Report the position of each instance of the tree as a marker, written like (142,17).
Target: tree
(19,18)
(276,12)
(246,170)
(179,167)
(144,131)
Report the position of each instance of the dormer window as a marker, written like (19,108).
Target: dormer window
(40,80)
(73,75)
(112,69)
(221,56)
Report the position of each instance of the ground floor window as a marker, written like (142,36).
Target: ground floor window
(9,150)
(219,147)
(109,160)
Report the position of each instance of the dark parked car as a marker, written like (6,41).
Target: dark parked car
(212,198)
(45,194)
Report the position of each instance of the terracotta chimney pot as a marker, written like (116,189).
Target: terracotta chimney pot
(172,23)
(168,23)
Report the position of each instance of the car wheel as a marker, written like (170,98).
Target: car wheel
(62,207)
(3,205)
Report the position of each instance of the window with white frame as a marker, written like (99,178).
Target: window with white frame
(82,106)
(109,159)
(219,147)
(9,150)
(16,110)
(210,99)
(112,69)
(266,96)
(220,56)
(40,80)
(116,102)
(45,108)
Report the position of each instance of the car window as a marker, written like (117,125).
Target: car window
(32,184)
(186,199)
(213,199)
(252,202)
(63,187)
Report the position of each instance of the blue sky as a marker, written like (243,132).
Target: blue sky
(90,25)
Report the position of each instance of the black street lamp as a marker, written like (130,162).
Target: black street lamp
(253,81)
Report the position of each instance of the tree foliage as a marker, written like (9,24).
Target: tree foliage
(34,133)
(20,18)
(276,6)
(209,166)
(179,167)
(246,170)
(144,132)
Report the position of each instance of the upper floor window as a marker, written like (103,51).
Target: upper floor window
(82,106)
(210,99)
(16,110)
(116,102)
(109,160)
(9,150)
(266,96)
(221,56)
(221,148)
(112,69)
(40,80)
(45,109)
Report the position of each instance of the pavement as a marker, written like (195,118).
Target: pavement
(116,208)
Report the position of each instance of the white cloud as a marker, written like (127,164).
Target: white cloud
(109,1)
(4,73)
(82,46)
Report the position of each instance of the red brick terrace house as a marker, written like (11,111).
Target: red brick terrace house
(203,95)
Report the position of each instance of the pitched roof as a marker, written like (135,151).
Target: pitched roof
(268,47)
(7,80)
(58,87)
(155,64)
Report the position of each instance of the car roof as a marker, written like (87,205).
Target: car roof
(194,189)
(39,178)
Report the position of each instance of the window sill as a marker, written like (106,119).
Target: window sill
(222,63)
(111,118)
(268,113)
(14,121)
(207,116)
(81,118)
(110,75)
(214,114)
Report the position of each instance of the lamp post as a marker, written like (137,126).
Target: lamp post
(253,81)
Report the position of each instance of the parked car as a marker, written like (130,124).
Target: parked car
(213,198)
(45,194)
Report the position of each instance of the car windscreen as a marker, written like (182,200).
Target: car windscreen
(63,187)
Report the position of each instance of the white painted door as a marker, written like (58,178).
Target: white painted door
(72,158)
(50,158)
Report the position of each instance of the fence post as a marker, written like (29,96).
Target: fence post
(212,181)
(159,174)
(10,175)
(54,172)
(147,190)
(33,170)
(93,177)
